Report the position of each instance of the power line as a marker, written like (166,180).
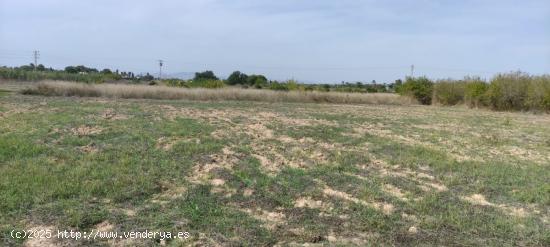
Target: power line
(16,55)
(36,55)
(160,68)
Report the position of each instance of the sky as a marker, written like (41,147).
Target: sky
(323,41)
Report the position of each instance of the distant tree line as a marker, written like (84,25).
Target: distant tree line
(209,80)
(510,91)
(205,79)
(77,73)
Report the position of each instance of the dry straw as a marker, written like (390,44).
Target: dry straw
(58,88)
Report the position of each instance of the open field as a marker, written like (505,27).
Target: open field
(260,174)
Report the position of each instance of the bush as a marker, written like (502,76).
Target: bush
(213,84)
(205,84)
(174,82)
(509,91)
(275,85)
(512,91)
(194,83)
(293,85)
(538,94)
(420,88)
(449,92)
(474,96)
(257,81)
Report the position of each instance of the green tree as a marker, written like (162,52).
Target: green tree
(79,69)
(257,81)
(237,78)
(147,77)
(205,75)
(40,67)
(71,69)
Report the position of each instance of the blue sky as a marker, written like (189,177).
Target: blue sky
(316,41)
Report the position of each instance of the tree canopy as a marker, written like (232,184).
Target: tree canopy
(237,78)
(205,75)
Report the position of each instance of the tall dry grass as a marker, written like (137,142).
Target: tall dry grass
(56,88)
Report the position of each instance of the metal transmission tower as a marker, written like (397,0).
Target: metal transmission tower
(160,68)
(36,55)
(412,70)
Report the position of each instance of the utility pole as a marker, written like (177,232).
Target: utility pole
(412,70)
(36,55)
(160,68)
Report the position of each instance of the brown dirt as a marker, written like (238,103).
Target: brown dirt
(111,114)
(42,242)
(86,130)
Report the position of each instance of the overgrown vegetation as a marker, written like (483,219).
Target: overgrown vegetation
(514,91)
(448,92)
(420,88)
(162,92)
(204,83)
(474,93)
(78,73)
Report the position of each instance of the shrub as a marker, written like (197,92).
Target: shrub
(209,84)
(195,83)
(213,84)
(474,95)
(538,93)
(257,81)
(275,85)
(508,91)
(420,88)
(448,92)
(292,85)
(174,82)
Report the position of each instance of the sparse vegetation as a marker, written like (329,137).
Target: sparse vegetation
(263,174)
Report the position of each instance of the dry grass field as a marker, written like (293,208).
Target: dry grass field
(235,173)
(125,91)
